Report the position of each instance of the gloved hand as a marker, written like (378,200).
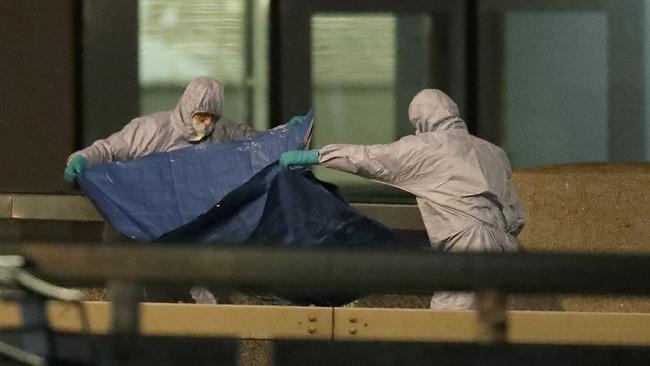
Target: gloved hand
(295,120)
(75,166)
(293,158)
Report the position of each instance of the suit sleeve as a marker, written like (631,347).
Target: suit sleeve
(130,142)
(394,163)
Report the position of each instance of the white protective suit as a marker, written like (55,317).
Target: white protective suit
(168,130)
(462,184)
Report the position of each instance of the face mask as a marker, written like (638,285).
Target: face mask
(200,130)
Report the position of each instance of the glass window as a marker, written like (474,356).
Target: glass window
(555,92)
(179,40)
(565,82)
(354,66)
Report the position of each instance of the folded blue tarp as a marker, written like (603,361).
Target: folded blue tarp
(149,196)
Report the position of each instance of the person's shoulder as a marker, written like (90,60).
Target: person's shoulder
(425,138)
(426,143)
(149,123)
(419,138)
(156,117)
(489,148)
(152,119)
(479,141)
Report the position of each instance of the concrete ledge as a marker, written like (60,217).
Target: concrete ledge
(47,207)
(396,217)
(6,206)
(582,207)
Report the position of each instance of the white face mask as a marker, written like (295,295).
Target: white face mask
(200,130)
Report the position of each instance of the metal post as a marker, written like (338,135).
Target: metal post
(125,298)
(492,316)
(124,313)
(37,338)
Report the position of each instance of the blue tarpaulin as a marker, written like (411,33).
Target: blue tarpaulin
(285,208)
(150,196)
(233,193)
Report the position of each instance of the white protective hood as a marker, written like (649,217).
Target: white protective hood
(168,130)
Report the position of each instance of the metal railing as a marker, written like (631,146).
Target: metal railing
(125,267)
(262,268)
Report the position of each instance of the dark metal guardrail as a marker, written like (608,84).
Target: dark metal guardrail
(124,267)
(262,268)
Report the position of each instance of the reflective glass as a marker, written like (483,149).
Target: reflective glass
(565,82)
(181,39)
(555,71)
(354,67)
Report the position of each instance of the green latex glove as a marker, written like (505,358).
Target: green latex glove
(296,120)
(293,158)
(75,166)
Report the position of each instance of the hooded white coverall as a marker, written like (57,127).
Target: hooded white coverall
(168,130)
(462,184)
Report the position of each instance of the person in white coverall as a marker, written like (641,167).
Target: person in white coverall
(462,184)
(196,119)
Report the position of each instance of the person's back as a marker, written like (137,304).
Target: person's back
(469,182)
